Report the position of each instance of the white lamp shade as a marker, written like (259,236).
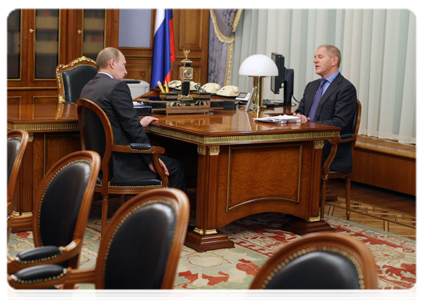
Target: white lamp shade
(258,65)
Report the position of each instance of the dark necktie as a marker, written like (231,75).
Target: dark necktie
(316,100)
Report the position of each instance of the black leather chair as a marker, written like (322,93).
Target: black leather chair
(140,248)
(97,135)
(329,174)
(71,78)
(323,260)
(60,213)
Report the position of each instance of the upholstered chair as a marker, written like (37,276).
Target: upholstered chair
(71,78)
(328,174)
(97,135)
(140,247)
(322,260)
(60,213)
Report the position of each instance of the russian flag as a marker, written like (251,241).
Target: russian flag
(163,48)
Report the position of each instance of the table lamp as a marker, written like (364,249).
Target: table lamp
(258,66)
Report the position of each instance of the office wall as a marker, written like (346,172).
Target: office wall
(190,31)
(378,56)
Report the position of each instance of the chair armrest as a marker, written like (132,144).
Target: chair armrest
(140,147)
(326,164)
(39,274)
(345,138)
(48,276)
(38,254)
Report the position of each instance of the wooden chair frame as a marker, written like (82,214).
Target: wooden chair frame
(71,252)
(348,246)
(178,200)
(327,174)
(11,195)
(73,64)
(23,136)
(105,189)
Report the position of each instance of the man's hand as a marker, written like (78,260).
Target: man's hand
(147,120)
(304,119)
(151,166)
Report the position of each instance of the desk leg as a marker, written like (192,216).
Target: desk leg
(205,236)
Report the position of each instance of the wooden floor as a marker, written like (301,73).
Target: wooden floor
(376,196)
(375,207)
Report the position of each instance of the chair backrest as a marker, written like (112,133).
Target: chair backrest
(63,199)
(323,260)
(17,141)
(96,132)
(71,78)
(142,243)
(356,123)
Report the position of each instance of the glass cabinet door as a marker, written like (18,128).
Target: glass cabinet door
(46,48)
(14,38)
(94,32)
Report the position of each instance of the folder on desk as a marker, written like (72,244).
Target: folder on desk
(279,119)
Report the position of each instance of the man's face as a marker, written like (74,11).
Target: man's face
(119,67)
(323,64)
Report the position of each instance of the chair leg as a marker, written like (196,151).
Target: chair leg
(323,198)
(122,199)
(73,263)
(348,195)
(104,208)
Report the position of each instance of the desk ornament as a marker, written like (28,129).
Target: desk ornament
(183,102)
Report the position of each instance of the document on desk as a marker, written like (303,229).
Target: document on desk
(279,119)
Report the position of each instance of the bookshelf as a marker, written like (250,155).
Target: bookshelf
(94,31)
(12,43)
(38,40)
(46,51)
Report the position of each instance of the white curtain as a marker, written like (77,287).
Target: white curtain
(378,49)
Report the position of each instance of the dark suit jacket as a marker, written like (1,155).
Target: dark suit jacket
(114,97)
(337,107)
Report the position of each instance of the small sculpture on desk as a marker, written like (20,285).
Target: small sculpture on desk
(186,74)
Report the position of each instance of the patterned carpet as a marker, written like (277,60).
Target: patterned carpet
(256,239)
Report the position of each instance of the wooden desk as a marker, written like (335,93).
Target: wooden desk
(244,167)
(53,133)
(239,167)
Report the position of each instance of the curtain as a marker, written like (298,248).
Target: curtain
(378,49)
(223,22)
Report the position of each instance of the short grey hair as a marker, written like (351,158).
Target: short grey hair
(332,51)
(105,55)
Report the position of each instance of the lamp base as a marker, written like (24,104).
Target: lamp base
(258,103)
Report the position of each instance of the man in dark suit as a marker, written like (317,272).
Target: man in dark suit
(330,100)
(112,94)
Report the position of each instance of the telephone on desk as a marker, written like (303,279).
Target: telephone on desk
(176,84)
(211,88)
(228,91)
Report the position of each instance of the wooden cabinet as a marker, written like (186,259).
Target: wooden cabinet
(41,39)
